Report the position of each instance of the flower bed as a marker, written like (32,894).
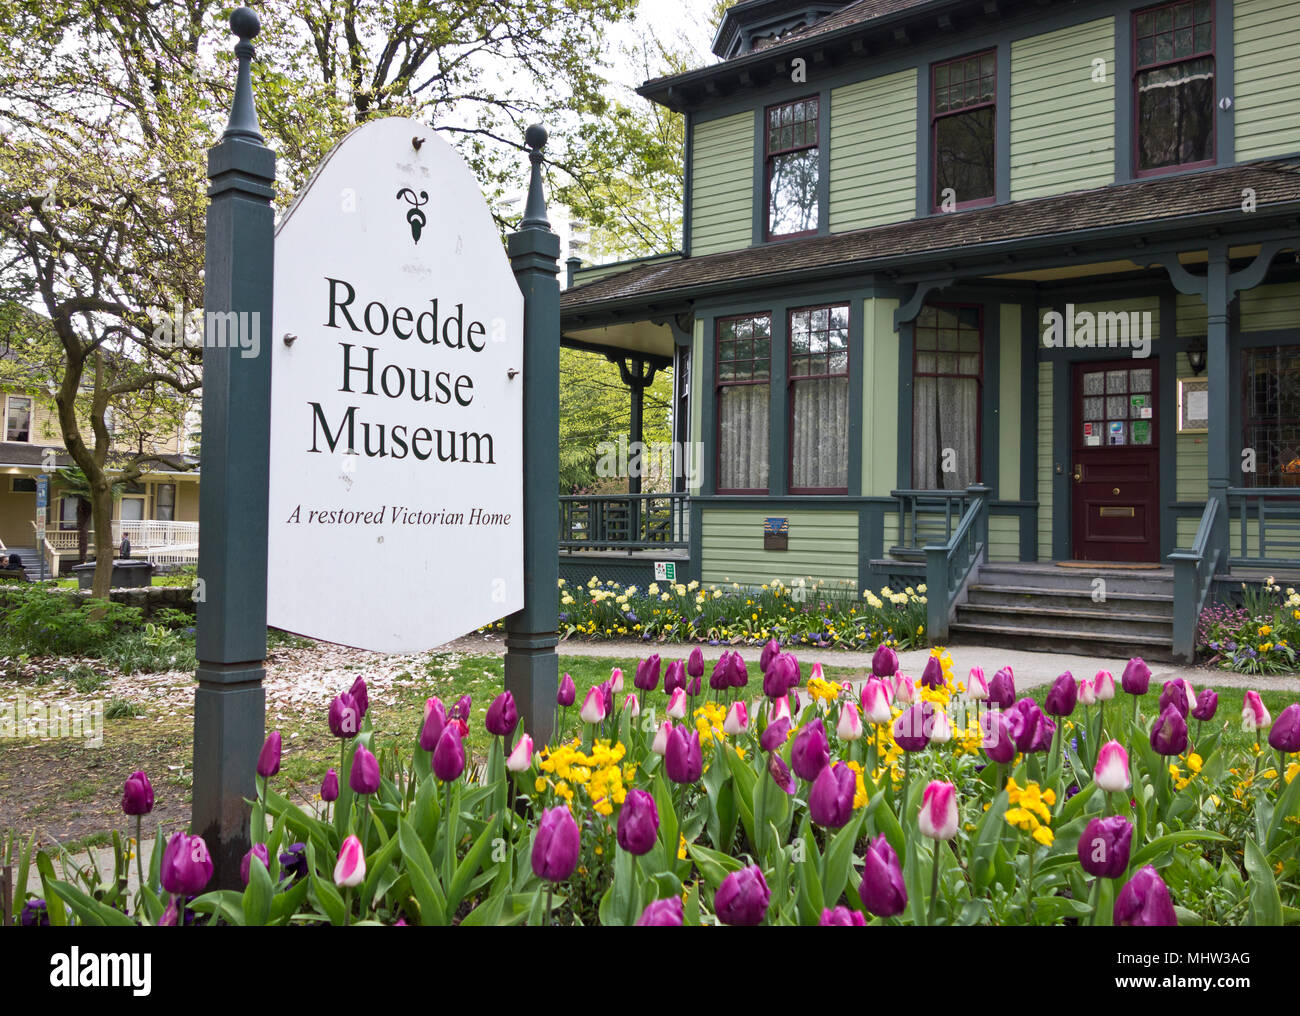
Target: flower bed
(698,794)
(1258,637)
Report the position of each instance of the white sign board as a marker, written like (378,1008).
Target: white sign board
(396,495)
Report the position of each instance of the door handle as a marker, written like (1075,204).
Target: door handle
(1078,472)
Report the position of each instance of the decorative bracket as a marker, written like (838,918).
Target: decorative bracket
(912,307)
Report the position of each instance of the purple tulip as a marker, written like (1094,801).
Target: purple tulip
(662,914)
(1174,693)
(742,898)
(246,865)
(1104,846)
(1144,901)
(360,696)
(435,719)
(1169,735)
(329,787)
(912,728)
(999,743)
(693,687)
(449,754)
(186,865)
(556,846)
(932,675)
(638,822)
(1207,705)
(882,891)
(1062,696)
(770,650)
(268,762)
(811,751)
(720,678)
(842,917)
(675,675)
(647,673)
(695,663)
(36,914)
(502,716)
(1285,733)
(884,662)
(364,778)
(344,716)
(462,708)
(683,762)
(776,734)
(137,795)
(1030,728)
(1002,689)
(830,802)
(566,694)
(737,672)
(1137,677)
(780,773)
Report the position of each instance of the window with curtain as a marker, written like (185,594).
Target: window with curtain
(1271,415)
(947,376)
(963,120)
(18,424)
(165,502)
(819,400)
(1174,85)
(744,358)
(791,149)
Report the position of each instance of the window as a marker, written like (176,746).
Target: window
(1174,85)
(744,403)
(819,400)
(68,512)
(23,485)
(1271,415)
(963,126)
(792,166)
(18,419)
(947,377)
(164,506)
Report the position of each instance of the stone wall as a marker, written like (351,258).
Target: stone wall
(148,598)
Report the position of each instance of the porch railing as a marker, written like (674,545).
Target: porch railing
(1194,571)
(927,517)
(624,522)
(950,564)
(151,540)
(1264,526)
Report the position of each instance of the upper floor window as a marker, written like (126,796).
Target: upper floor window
(819,400)
(1174,85)
(947,381)
(963,124)
(18,419)
(744,403)
(792,161)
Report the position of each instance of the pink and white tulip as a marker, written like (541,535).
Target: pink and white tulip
(660,744)
(616,680)
(521,758)
(1111,772)
(1103,686)
(677,704)
(850,726)
(1087,694)
(875,701)
(737,719)
(1254,715)
(939,818)
(780,710)
(631,706)
(977,686)
(351,867)
(940,728)
(593,706)
(904,690)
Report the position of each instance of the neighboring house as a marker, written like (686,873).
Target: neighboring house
(151,508)
(908,224)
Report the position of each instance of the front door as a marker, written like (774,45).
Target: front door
(1116,462)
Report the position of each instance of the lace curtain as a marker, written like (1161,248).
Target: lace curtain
(743,437)
(944,415)
(819,449)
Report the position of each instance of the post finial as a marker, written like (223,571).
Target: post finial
(243,114)
(535,208)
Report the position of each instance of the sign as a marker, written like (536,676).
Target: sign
(1193,405)
(42,498)
(776,534)
(665,571)
(396,483)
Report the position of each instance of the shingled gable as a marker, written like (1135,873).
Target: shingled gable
(1149,205)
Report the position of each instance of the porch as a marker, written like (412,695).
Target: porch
(159,542)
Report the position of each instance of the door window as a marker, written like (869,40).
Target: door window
(1118,408)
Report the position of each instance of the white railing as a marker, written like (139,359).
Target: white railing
(151,540)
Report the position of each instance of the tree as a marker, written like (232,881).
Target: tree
(74,483)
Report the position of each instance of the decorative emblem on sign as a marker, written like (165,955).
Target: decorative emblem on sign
(414,216)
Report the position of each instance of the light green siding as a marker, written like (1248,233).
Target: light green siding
(1191,460)
(873,152)
(1190,314)
(823,545)
(1009,396)
(1267,308)
(1186,532)
(1004,538)
(722,184)
(1062,120)
(1138,304)
(1266,78)
(1045,423)
(880,399)
(697,403)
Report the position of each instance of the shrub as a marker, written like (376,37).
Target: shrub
(43,622)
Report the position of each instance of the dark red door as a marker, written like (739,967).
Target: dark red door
(1115,477)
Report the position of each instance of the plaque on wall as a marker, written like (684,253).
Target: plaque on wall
(1193,405)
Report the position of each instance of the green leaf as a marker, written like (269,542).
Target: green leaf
(1170,840)
(86,907)
(472,863)
(329,899)
(1265,902)
(257,894)
(376,867)
(54,904)
(287,903)
(1288,806)
(424,883)
(985,842)
(838,860)
(713,864)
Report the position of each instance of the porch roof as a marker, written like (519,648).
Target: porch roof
(1067,225)
(19,454)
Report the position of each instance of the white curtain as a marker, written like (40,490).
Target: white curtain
(819,449)
(945,415)
(743,437)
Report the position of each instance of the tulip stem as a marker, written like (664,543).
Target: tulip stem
(934,886)
(1281,773)
(907,772)
(347,906)
(1029,885)
(139,859)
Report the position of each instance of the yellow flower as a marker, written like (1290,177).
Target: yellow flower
(1044,836)
(681,848)
(539,784)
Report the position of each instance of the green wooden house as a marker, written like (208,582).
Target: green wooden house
(999,296)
